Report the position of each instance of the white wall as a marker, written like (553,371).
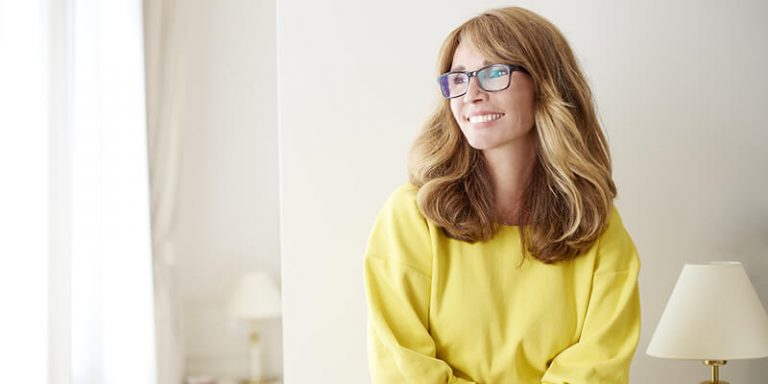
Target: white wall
(680,86)
(228,193)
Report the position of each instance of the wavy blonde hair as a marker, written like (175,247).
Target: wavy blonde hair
(568,201)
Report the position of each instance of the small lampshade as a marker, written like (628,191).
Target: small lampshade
(714,313)
(256,297)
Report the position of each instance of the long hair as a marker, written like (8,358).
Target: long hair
(567,203)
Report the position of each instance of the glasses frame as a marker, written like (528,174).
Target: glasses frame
(470,74)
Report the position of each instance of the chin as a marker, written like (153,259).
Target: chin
(482,140)
(481,145)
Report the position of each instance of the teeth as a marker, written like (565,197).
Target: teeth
(485,118)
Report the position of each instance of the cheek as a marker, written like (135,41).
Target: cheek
(455,110)
(529,103)
(531,113)
(523,108)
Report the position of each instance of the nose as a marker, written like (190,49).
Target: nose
(474,92)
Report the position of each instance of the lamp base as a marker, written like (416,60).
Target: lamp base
(715,366)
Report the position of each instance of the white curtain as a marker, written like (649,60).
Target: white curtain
(83,164)
(165,92)
(112,299)
(24,169)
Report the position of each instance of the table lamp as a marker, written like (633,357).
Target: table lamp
(713,315)
(255,298)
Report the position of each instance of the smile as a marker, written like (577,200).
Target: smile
(485,118)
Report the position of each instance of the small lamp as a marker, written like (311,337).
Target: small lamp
(714,315)
(256,298)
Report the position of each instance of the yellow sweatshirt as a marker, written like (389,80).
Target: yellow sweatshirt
(446,311)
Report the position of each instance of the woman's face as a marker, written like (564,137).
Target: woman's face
(500,120)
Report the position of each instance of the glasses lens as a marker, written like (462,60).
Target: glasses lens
(453,84)
(494,78)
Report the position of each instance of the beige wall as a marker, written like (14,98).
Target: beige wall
(681,89)
(228,193)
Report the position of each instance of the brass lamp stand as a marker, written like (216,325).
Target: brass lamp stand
(715,365)
(256,363)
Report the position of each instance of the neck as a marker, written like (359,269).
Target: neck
(510,168)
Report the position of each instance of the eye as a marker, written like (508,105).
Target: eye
(497,72)
(458,80)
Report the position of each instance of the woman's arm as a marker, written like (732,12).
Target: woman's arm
(398,283)
(612,325)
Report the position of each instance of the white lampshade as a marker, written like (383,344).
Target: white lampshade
(714,313)
(256,297)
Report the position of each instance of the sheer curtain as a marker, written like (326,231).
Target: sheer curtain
(165,92)
(75,90)
(24,169)
(112,297)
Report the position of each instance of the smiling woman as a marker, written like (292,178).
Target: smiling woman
(503,260)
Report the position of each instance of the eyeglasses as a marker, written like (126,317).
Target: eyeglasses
(493,78)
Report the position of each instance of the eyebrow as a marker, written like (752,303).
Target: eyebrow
(459,68)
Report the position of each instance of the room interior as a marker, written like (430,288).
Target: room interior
(178,156)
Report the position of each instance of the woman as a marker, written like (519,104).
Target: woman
(503,260)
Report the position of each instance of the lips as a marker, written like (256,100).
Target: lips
(484,117)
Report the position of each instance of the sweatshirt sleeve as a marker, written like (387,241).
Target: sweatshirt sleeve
(611,328)
(398,282)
